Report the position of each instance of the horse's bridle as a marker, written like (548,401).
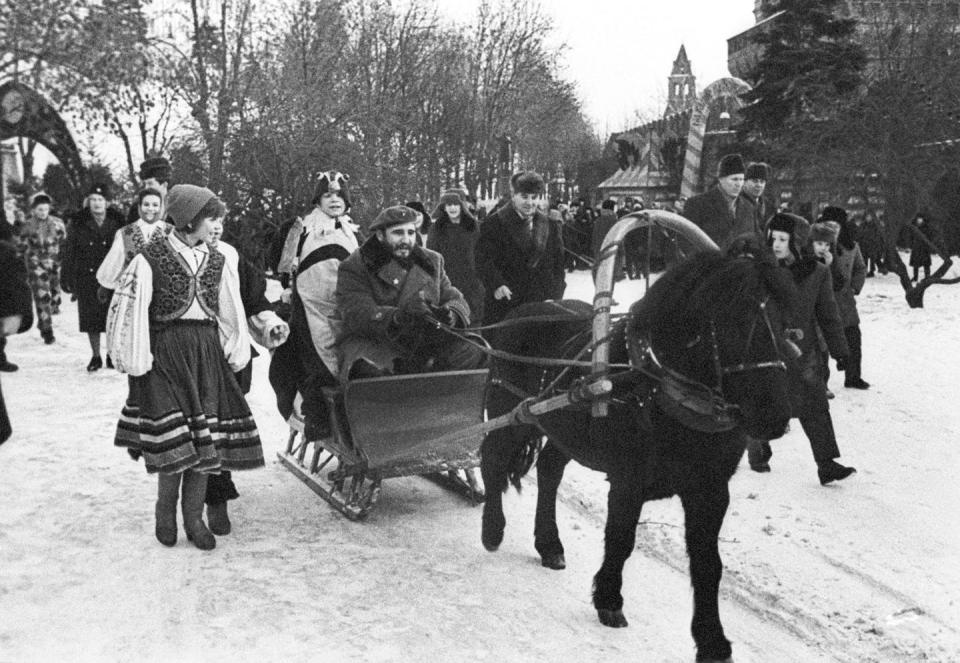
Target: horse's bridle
(744,366)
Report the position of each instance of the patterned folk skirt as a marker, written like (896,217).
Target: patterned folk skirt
(187,412)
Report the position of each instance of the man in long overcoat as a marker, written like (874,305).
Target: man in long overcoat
(89,236)
(391,294)
(715,211)
(520,252)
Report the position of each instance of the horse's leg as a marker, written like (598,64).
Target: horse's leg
(496,451)
(550,468)
(624,502)
(703,511)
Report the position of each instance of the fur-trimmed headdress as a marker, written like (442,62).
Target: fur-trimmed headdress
(332,181)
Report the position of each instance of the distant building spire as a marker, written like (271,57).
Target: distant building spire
(682,84)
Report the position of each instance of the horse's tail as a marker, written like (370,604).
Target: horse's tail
(524,459)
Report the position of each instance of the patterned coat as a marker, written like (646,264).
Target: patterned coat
(372,286)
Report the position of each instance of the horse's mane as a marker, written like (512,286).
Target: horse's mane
(708,285)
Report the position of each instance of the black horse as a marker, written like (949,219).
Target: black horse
(703,347)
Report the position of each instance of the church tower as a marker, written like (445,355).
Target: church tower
(683,85)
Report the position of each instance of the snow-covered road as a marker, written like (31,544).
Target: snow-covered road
(862,571)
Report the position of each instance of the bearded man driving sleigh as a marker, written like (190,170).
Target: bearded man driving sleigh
(393,297)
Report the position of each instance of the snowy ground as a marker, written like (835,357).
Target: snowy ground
(862,571)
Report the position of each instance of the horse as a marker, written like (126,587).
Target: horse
(701,357)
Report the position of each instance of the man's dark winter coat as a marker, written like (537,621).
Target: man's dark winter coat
(372,287)
(86,246)
(711,213)
(531,266)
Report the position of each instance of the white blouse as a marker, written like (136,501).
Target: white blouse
(108,274)
(128,321)
(266,328)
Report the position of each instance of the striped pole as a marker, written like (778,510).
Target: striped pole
(723,87)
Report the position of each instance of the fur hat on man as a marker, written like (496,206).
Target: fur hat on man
(184,202)
(822,232)
(393,216)
(40,199)
(731,164)
(757,171)
(156,168)
(527,182)
(99,189)
(831,213)
(332,181)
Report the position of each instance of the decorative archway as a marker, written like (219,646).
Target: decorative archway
(721,91)
(24,112)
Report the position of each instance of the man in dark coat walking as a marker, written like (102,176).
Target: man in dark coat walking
(89,236)
(752,208)
(715,211)
(391,294)
(520,252)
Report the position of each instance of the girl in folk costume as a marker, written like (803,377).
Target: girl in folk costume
(128,241)
(41,235)
(311,256)
(177,325)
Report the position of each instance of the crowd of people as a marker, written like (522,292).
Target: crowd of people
(181,308)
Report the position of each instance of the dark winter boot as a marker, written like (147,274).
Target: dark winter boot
(194,490)
(831,470)
(856,383)
(96,363)
(218,520)
(168,489)
(759,454)
(47,335)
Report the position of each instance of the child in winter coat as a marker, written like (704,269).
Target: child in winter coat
(853,270)
(815,307)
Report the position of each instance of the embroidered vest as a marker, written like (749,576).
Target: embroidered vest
(175,286)
(134,240)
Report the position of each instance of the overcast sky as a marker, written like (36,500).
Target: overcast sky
(620,52)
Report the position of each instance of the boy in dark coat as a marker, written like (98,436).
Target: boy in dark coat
(815,308)
(520,252)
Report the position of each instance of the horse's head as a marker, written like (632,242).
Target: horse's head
(718,320)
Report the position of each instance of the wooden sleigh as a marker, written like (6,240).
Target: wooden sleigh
(432,424)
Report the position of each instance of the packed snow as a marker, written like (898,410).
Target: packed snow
(864,570)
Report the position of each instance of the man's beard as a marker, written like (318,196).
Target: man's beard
(405,260)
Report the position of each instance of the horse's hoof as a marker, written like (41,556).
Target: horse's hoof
(612,618)
(491,541)
(555,561)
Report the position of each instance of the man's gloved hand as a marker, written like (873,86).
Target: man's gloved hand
(842,364)
(444,315)
(104,295)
